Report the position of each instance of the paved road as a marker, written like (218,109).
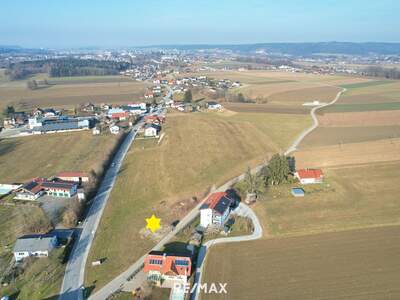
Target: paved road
(126,281)
(74,273)
(315,124)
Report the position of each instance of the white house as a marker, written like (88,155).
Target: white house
(215,209)
(34,122)
(151,130)
(36,245)
(114,129)
(214,105)
(30,191)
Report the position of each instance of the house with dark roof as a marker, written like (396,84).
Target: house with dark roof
(37,187)
(166,268)
(216,209)
(151,130)
(36,245)
(60,188)
(31,190)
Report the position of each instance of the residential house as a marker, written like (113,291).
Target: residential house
(36,245)
(60,188)
(216,209)
(151,130)
(118,114)
(154,119)
(309,176)
(30,191)
(214,105)
(164,268)
(78,177)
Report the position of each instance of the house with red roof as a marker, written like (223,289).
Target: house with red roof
(164,268)
(73,176)
(309,176)
(215,210)
(37,187)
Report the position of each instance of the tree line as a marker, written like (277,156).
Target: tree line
(378,71)
(278,170)
(65,67)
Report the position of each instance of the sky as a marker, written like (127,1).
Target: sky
(123,23)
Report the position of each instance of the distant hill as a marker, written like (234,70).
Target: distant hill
(302,49)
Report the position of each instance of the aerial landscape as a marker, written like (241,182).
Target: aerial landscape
(161,150)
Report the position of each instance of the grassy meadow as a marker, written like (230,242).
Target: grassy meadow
(45,155)
(199,150)
(42,156)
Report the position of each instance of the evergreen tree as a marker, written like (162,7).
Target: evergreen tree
(187,98)
(277,171)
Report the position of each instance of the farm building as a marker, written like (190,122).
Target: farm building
(73,176)
(37,245)
(162,267)
(58,124)
(216,209)
(309,176)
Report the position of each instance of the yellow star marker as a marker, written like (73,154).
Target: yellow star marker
(153,223)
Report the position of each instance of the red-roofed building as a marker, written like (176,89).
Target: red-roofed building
(154,119)
(161,267)
(73,176)
(216,209)
(120,115)
(308,176)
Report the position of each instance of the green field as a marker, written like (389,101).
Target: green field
(325,136)
(361,107)
(365,84)
(198,151)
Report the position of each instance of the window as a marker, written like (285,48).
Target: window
(181,262)
(156,261)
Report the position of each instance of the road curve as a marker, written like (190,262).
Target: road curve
(315,124)
(126,279)
(258,229)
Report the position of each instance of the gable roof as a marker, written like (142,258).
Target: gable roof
(35,242)
(34,186)
(167,263)
(58,185)
(219,202)
(72,174)
(310,173)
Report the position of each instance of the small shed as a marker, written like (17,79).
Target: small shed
(298,192)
